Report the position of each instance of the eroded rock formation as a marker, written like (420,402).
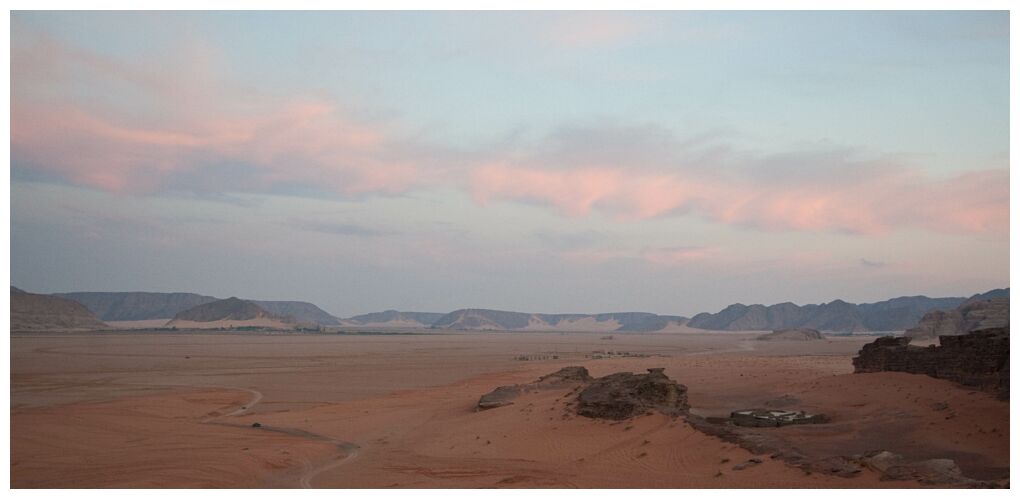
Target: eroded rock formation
(617,396)
(973,315)
(979,359)
(505,395)
(624,395)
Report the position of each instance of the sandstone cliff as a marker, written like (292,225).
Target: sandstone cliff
(973,315)
(979,359)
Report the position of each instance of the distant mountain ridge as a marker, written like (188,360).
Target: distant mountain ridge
(30,311)
(896,314)
(486,319)
(138,306)
(982,311)
(839,316)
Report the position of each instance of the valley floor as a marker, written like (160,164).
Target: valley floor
(178,410)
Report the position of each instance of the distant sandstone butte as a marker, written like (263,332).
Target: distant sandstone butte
(500,320)
(140,306)
(394,318)
(301,311)
(30,311)
(798,334)
(896,314)
(231,312)
(987,310)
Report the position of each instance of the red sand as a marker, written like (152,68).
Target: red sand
(161,410)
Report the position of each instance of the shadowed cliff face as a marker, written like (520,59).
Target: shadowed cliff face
(979,359)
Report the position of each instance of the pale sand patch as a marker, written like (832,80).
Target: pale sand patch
(143,324)
(400,324)
(586,324)
(228,324)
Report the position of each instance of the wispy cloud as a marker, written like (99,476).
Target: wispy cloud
(872,263)
(215,135)
(304,140)
(829,190)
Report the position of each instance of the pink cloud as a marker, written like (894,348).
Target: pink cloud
(203,132)
(970,202)
(588,29)
(190,125)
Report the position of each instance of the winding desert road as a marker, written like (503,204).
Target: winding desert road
(350,450)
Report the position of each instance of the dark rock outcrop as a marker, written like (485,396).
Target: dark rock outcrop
(624,395)
(929,471)
(760,442)
(617,396)
(505,395)
(567,375)
(499,397)
(979,359)
(798,334)
(891,466)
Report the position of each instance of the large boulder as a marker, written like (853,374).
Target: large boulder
(624,395)
(499,397)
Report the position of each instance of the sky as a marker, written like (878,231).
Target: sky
(669,162)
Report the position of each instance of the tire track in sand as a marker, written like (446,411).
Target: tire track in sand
(349,449)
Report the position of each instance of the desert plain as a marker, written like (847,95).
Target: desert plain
(368,410)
